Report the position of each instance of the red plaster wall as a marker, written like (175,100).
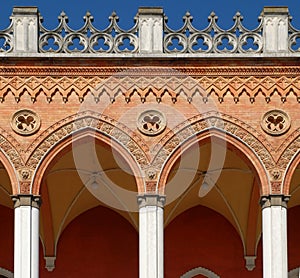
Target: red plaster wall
(98,243)
(202,237)
(6,238)
(293,237)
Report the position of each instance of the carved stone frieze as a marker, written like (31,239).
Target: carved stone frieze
(208,82)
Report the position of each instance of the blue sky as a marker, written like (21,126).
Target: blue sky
(174,9)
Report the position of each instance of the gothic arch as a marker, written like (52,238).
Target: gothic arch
(75,127)
(243,137)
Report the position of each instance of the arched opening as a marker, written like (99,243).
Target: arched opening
(7,224)
(86,176)
(293,228)
(228,208)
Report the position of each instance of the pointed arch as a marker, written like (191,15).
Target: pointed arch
(54,140)
(236,134)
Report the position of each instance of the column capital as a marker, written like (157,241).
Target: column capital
(26,200)
(151,200)
(274,200)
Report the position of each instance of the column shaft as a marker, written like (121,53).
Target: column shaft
(274,237)
(151,236)
(26,245)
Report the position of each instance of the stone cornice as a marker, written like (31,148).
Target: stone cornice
(144,70)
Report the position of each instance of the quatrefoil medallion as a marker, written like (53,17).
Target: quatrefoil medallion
(25,122)
(151,122)
(275,122)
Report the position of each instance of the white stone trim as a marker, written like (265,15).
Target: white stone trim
(200,270)
(6,273)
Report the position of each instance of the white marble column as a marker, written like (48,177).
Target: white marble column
(274,232)
(151,236)
(26,243)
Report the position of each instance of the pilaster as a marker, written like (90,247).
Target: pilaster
(150,30)
(275,29)
(26,29)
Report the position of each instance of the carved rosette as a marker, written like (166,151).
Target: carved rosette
(275,122)
(25,122)
(151,122)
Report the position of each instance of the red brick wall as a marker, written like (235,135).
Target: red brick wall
(293,237)
(6,238)
(98,243)
(202,237)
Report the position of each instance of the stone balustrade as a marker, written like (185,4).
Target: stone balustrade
(151,35)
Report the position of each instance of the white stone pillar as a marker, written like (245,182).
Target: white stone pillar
(151,236)
(26,243)
(26,29)
(274,236)
(275,29)
(150,30)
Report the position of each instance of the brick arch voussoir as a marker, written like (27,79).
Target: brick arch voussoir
(11,159)
(288,161)
(237,133)
(57,137)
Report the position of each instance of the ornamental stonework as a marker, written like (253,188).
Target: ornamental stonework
(275,122)
(189,82)
(151,122)
(25,122)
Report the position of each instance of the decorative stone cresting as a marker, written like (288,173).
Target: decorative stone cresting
(25,122)
(150,34)
(151,122)
(275,122)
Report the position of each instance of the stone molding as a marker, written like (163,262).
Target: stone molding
(26,200)
(274,200)
(151,200)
